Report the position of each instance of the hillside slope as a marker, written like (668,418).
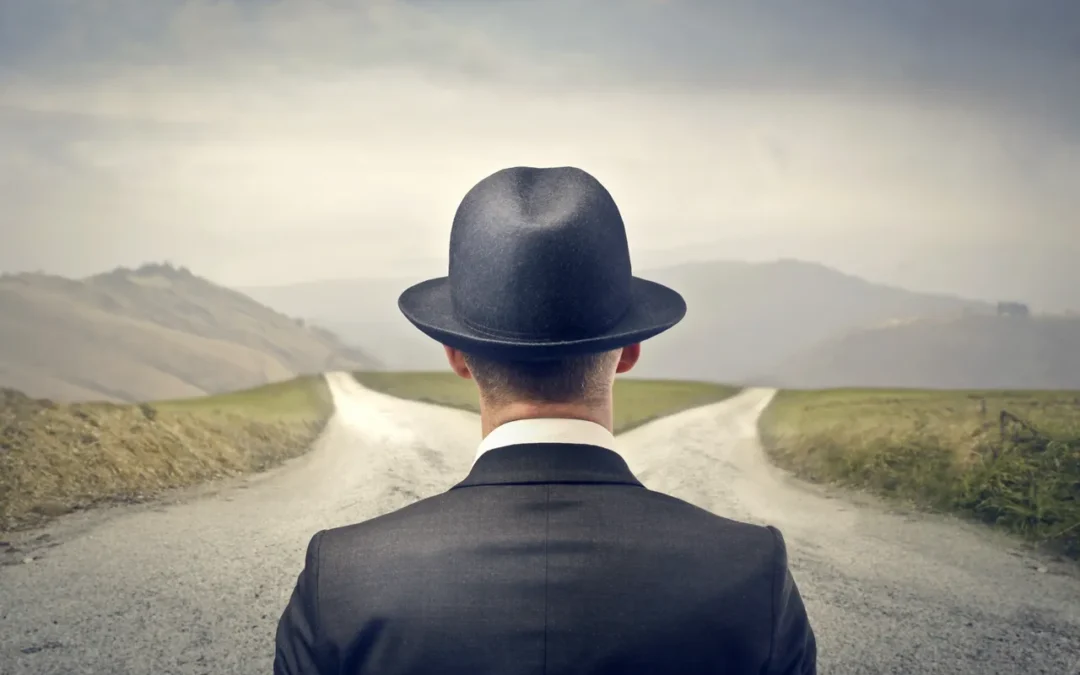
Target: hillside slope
(742,320)
(745,318)
(967,352)
(153,333)
(363,312)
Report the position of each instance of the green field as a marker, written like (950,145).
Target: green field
(56,458)
(636,401)
(302,398)
(948,450)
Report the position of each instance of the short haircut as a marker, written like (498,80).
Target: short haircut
(585,378)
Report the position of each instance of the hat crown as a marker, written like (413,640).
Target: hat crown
(539,253)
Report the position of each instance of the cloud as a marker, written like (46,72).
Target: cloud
(235,135)
(253,37)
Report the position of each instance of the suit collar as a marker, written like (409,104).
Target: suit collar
(531,463)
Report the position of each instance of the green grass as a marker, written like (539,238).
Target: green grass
(940,450)
(636,401)
(302,398)
(55,458)
(640,401)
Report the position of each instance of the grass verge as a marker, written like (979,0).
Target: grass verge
(636,401)
(1011,459)
(56,458)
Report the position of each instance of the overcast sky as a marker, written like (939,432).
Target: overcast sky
(929,143)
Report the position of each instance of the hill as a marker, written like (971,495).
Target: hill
(364,313)
(746,318)
(965,352)
(158,332)
(743,319)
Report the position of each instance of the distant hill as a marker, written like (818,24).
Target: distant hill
(968,352)
(364,313)
(743,318)
(157,332)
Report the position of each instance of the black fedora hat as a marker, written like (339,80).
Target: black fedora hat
(539,269)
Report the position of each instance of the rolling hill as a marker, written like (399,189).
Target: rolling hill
(746,318)
(157,332)
(364,313)
(743,319)
(966,352)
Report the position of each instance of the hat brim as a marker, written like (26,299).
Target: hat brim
(654,308)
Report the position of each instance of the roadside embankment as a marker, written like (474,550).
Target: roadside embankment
(1009,458)
(57,458)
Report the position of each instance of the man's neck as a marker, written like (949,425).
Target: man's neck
(492,416)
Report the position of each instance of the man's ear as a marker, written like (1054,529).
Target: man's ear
(457,362)
(628,357)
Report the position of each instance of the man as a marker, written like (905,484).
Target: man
(550,557)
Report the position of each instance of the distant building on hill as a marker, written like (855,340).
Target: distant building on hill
(1016,309)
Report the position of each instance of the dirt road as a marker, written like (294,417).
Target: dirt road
(195,585)
(887,592)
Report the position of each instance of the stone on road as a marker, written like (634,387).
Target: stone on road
(196,584)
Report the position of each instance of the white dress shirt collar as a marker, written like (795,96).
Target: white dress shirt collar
(547,430)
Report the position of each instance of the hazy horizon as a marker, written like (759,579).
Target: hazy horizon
(930,145)
(417,270)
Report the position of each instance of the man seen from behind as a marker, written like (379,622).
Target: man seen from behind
(550,557)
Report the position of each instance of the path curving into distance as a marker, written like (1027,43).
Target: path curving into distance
(196,584)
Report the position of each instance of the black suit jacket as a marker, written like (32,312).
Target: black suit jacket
(546,559)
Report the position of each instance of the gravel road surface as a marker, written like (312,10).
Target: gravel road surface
(195,583)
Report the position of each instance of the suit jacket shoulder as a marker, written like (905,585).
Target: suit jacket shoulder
(547,577)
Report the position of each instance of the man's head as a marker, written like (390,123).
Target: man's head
(585,380)
(540,295)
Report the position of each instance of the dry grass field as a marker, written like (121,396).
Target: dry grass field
(56,458)
(636,401)
(1011,458)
